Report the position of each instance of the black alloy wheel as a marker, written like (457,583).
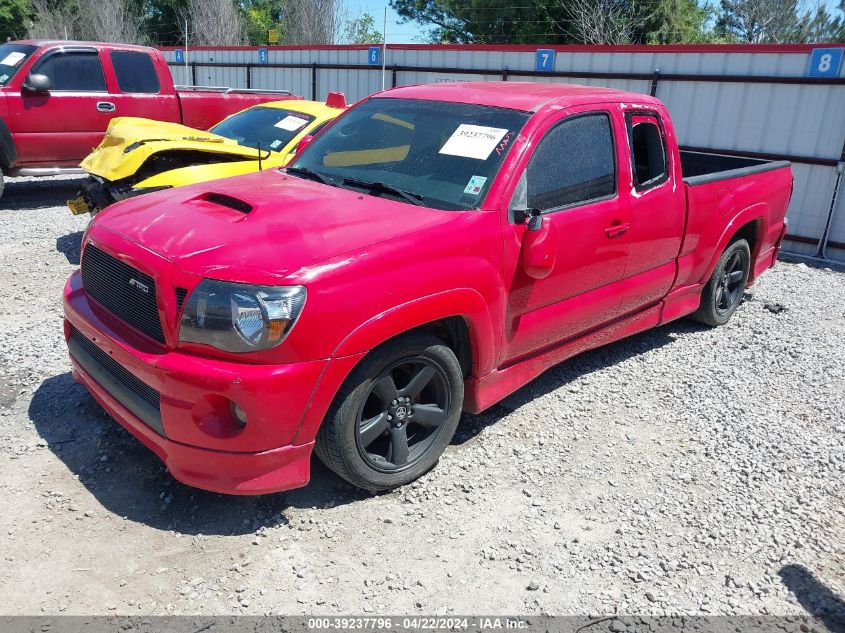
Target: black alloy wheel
(395,414)
(724,291)
(403,413)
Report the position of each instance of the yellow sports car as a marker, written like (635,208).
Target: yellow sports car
(138,156)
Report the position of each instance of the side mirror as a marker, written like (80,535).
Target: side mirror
(539,251)
(304,142)
(37,83)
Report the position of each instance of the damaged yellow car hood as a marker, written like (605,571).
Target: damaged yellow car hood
(130,141)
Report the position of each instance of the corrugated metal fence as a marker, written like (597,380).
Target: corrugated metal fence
(752,100)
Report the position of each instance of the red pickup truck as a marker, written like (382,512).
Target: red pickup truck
(434,249)
(57,98)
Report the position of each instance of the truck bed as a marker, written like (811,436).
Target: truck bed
(724,193)
(203,107)
(699,168)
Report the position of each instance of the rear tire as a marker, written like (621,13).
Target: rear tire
(724,291)
(394,415)
(2,185)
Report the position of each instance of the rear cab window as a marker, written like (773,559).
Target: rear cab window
(649,158)
(135,72)
(12,58)
(73,71)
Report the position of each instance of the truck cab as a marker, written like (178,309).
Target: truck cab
(57,99)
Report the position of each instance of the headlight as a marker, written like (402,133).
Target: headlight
(239,317)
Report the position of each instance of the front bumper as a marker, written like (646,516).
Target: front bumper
(179,405)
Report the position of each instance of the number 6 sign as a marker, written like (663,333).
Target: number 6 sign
(825,62)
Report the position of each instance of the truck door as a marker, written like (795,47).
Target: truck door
(658,210)
(571,180)
(136,88)
(60,126)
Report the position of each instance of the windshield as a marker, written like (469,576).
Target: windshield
(274,128)
(444,154)
(12,57)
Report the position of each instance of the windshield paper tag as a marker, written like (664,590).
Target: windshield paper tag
(275,144)
(473,141)
(475,184)
(12,59)
(291,123)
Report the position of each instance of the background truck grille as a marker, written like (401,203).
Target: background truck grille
(120,288)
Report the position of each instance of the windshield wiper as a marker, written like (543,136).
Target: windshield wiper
(408,196)
(304,172)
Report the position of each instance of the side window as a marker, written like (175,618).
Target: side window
(73,71)
(573,163)
(648,151)
(135,72)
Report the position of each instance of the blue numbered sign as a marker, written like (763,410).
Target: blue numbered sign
(180,56)
(374,56)
(262,55)
(825,62)
(545,59)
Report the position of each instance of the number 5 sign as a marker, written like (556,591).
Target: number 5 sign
(545,59)
(825,62)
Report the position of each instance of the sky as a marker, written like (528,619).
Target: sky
(409,33)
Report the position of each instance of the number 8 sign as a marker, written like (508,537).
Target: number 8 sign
(825,62)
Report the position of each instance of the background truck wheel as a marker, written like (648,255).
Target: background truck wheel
(723,293)
(395,413)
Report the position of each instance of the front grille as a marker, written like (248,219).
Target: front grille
(126,292)
(130,391)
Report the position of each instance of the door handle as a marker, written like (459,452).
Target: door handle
(106,106)
(616,230)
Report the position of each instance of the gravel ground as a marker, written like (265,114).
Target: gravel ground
(685,471)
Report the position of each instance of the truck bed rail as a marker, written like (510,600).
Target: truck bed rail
(225,90)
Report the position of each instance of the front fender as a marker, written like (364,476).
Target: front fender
(8,150)
(204,173)
(462,302)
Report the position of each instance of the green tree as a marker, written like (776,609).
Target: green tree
(674,22)
(486,21)
(15,16)
(363,31)
(260,16)
(775,21)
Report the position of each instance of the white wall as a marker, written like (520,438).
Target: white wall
(805,120)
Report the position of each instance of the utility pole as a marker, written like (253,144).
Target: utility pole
(384,49)
(188,81)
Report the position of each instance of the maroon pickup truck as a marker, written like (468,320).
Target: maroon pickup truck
(57,98)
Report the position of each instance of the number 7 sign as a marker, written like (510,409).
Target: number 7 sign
(545,60)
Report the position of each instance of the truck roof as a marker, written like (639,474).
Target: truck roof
(40,43)
(517,95)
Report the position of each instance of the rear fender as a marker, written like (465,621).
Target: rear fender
(758,213)
(463,302)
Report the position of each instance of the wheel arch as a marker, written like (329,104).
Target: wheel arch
(460,317)
(750,225)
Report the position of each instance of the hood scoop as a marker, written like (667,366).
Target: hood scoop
(222,205)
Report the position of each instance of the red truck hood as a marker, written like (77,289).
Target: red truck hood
(285,224)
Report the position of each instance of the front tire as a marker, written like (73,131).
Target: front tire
(723,292)
(394,415)
(2,185)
